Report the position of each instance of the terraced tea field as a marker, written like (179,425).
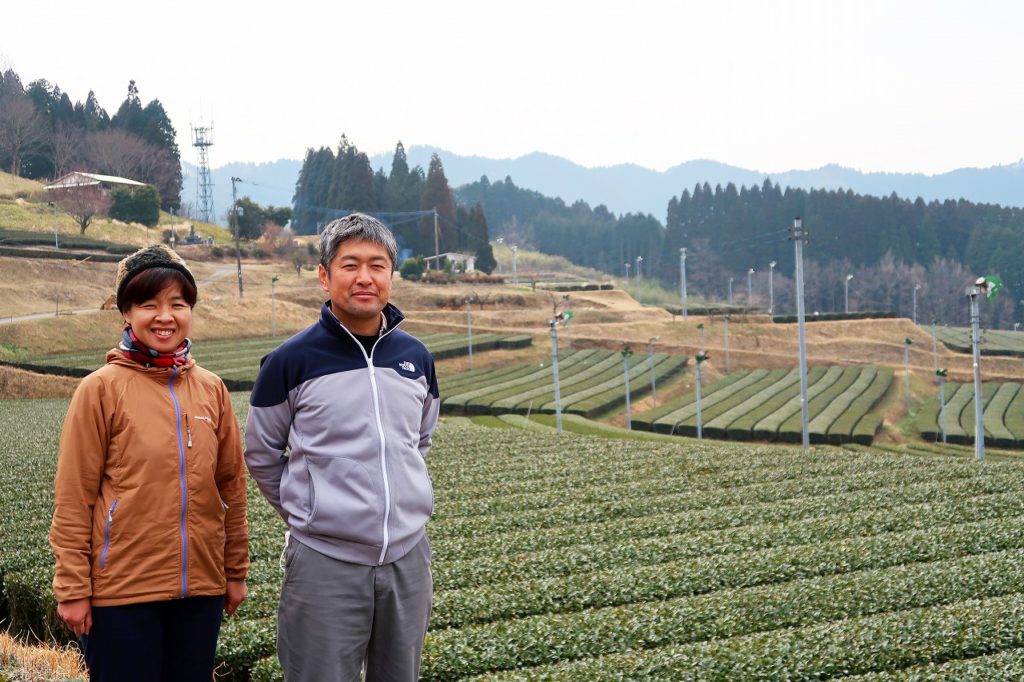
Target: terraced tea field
(591,382)
(765,405)
(564,557)
(1003,415)
(993,341)
(237,361)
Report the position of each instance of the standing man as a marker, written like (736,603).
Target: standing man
(340,420)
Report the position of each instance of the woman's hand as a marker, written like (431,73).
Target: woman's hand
(236,593)
(77,613)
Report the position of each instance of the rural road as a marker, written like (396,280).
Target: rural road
(220,272)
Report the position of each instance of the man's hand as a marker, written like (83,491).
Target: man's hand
(236,593)
(77,613)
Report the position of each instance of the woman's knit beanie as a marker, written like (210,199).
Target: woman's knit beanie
(156,256)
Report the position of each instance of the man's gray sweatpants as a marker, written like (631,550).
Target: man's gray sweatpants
(334,615)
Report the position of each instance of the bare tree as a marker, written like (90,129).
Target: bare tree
(83,203)
(22,130)
(116,152)
(65,148)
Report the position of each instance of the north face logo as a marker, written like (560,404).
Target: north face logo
(407,366)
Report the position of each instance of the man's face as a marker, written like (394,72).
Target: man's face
(358,283)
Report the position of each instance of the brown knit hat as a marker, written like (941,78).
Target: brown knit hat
(156,256)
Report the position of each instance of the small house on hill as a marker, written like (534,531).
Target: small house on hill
(80,179)
(459,261)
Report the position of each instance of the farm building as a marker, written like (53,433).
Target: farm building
(78,179)
(459,261)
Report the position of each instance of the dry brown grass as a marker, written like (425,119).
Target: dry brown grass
(18,384)
(605,319)
(9,184)
(34,285)
(40,662)
(223,319)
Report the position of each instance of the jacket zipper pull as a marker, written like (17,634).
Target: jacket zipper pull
(188,430)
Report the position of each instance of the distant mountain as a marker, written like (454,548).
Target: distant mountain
(627,187)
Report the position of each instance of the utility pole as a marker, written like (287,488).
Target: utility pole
(941,374)
(626,353)
(437,243)
(726,344)
(553,323)
(798,234)
(701,357)
(917,287)
(846,294)
(469,330)
(626,264)
(56,240)
(237,230)
(979,414)
(682,282)
(650,356)
(771,287)
(750,287)
(515,272)
(906,370)
(730,290)
(273,306)
(639,260)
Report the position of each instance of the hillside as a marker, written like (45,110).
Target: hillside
(23,206)
(605,319)
(11,186)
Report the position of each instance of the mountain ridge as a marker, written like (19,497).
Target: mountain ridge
(626,187)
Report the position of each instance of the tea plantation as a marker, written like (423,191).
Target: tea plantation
(1002,416)
(237,361)
(764,404)
(567,557)
(993,341)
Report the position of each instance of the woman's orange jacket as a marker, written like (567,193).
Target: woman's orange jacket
(149,499)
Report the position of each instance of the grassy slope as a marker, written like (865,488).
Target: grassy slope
(23,207)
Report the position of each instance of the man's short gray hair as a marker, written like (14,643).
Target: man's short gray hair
(356,226)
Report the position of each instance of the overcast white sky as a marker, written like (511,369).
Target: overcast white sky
(888,85)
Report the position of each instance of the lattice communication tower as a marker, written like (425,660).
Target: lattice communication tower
(202,140)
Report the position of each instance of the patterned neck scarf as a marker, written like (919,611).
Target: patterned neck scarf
(134,349)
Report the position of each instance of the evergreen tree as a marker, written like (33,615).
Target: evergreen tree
(343,160)
(93,116)
(359,192)
(436,196)
(396,191)
(478,240)
(129,115)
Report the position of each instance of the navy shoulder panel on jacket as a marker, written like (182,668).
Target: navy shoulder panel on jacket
(407,355)
(313,352)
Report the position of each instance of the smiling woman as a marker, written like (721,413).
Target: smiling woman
(150,448)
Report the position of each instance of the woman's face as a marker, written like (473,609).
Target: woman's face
(163,322)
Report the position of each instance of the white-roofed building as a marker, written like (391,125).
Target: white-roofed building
(79,179)
(460,261)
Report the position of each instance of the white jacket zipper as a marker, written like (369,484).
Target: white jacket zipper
(380,431)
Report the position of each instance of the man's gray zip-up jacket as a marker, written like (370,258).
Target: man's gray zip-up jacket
(336,439)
